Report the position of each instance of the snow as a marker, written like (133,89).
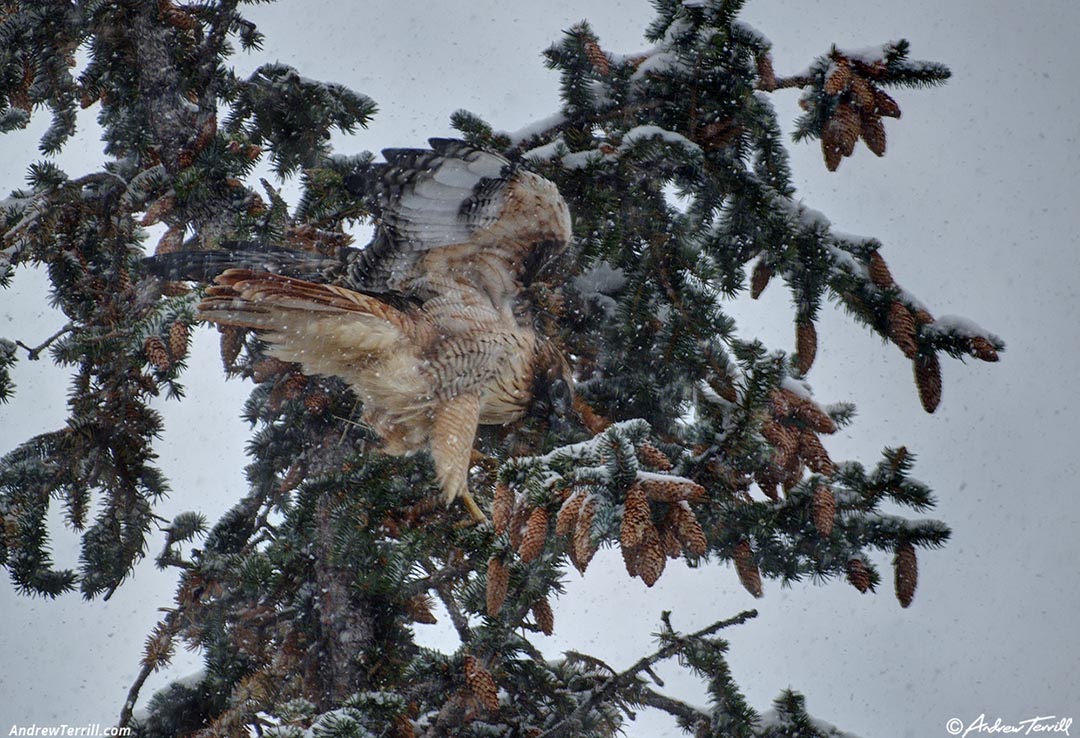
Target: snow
(869,54)
(800,388)
(535,128)
(658,62)
(582,159)
(648,476)
(545,152)
(772,719)
(956,324)
(637,133)
(601,278)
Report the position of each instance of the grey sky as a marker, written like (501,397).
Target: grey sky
(975,203)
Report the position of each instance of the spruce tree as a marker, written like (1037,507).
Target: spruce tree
(687,438)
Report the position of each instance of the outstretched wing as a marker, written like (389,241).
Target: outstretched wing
(326,329)
(452,195)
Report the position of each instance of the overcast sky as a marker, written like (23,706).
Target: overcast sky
(975,204)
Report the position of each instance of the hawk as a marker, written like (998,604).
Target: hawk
(430,324)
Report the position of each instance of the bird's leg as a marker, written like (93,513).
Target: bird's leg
(453,430)
(474,509)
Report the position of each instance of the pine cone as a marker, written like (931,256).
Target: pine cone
(879,272)
(502,508)
(597,57)
(902,329)
(545,618)
(907,573)
(481,684)
(268,369)
(805,345)
(631,556)
(846,119)
(747,569)
(792,473)
(863,93)
(668,538)
(884,105)
(671,490)
(156,353)
(232,340)
(651,557)
(498,581)
(781,438)
(858,575)
(567,516)
(813,453)
(650,455)
(928,380)
(759,278)
(873,133)
(584,547)
(830,145)
(158,209)
(532,541)
(637,515)
(178,340)
(812,416)
(689,532)
(823,510)
(839,79)
(983,349)
(923,318)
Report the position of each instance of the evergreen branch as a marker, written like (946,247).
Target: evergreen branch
(690,715)
(172,627)
(796,80)
(626,679)
(35,353)
(457,617)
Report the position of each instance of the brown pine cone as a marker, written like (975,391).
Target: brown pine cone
(156,353)
(928,380)
(498,581)
(502,508)
(481,684)
(902,329)
(637,516)
(823,510)
(584,546)
(747,569)
(858,575)
(805,345)
(907,573)
(532,541)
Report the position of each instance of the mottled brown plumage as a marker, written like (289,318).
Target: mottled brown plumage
(429,324)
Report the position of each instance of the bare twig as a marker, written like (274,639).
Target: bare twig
(626,678)
(35,353)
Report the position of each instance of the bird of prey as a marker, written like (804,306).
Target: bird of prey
(429,324)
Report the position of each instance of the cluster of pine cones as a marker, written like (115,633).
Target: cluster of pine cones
(859,107)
